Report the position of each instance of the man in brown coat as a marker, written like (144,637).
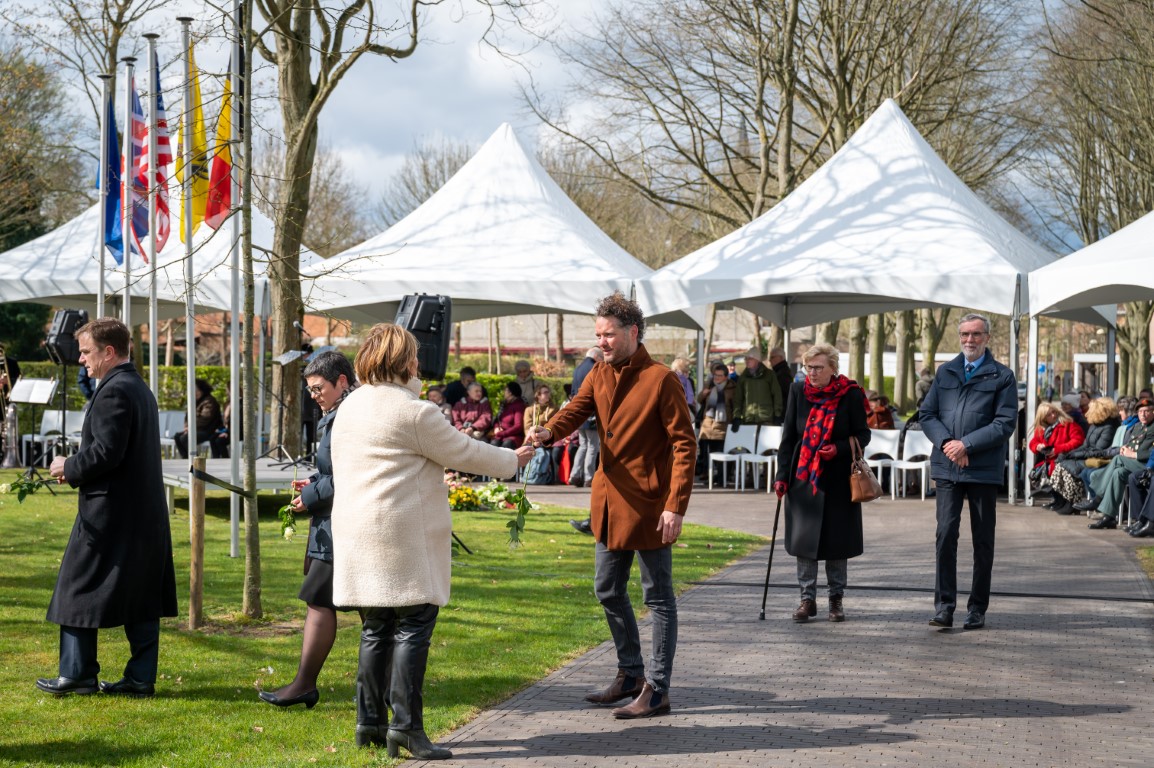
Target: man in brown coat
(639,497)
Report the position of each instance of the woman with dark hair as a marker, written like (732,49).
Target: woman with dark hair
(392,531)
(329,378)
(822,522)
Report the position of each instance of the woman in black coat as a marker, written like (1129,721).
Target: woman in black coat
(1066,479)
(330,378)
(821,522)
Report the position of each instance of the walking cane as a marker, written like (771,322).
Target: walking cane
(768,568)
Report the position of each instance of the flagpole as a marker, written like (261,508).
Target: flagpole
(153,191)
(186,224)
(104,150)
(126,183)
(234,326)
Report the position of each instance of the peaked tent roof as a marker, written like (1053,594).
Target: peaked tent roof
(883,225)
(62,268)
(1114,270)
(500,237)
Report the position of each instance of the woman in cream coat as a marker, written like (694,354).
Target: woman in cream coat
(392,527)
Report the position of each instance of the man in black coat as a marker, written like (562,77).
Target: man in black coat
(781,370)
(117,569)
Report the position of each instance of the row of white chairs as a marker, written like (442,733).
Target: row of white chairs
(752,447)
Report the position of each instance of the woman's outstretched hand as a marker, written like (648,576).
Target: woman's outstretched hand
(524,454)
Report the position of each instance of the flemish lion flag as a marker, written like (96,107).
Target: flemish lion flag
(220,178)
(199,150)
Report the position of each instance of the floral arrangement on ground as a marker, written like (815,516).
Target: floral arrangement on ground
(494,495)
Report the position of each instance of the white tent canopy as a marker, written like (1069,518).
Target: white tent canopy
(1114,270)
(883,225)
(500,237)
(62,268)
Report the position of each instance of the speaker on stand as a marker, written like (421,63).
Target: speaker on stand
(63,348)
(429,318)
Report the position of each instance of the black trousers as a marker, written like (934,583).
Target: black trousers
(1141,500)
(391,668)
(983,518)
(78,652)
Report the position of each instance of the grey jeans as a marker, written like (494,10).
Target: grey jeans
(836,575)
(611,585)
(585,460)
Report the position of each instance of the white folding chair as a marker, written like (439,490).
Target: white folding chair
(745,437)
(764,452)
(915,455)
(49,427)
(882,451)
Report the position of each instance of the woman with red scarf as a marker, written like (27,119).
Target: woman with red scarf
(821,522)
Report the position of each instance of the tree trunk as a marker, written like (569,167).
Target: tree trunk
(560,338)
(857,342)
(168,346)
(710,325)
(545,351)
(877,343)
(457,341)
(827,332)
(497,345)
(934,323)
(903,345)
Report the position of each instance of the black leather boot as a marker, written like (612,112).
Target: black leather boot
(410,657)
(374,670)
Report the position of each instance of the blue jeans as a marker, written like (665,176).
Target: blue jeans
(836,576)
(611,584)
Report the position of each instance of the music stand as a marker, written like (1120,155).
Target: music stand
(282,458)
(34,392)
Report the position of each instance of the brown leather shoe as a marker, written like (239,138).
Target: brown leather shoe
(806,611)
(648,704)
(835,611)
(623,687)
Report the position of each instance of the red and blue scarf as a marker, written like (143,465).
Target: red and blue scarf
(819,424)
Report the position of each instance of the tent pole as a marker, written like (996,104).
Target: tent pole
(1031,399)
(186,223)
(1015,329)
(1111,359)
(700,360)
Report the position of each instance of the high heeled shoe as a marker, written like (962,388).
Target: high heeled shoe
(309,699)
(417,743)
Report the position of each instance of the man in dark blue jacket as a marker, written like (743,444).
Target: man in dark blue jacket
(969,416)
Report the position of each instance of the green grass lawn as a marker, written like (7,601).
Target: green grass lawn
(514,616)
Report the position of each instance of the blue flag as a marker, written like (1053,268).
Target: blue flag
(109,174)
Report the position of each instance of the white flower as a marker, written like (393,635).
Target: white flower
(5,488)
(289,532)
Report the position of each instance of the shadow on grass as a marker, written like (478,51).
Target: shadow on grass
(80,751)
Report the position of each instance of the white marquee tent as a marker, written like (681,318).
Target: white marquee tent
(1114,270)
(500,237)
(62,268)
(883,225)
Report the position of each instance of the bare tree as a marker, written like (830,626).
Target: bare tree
(312,46)
(1097,115)
(337,220)
(39,165)
(425,169)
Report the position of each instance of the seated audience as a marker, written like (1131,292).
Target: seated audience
(1071,406)
(525,380)
(473,416)
(880,416)
(1066,477)
(509,428)
(1054,432)
(436,396)
(208,422)
(1131,458)
(1141,505)
(456,391)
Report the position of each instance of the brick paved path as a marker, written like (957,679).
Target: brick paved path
(1048,683)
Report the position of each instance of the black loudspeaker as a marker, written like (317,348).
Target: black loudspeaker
(429,319)
(62,346)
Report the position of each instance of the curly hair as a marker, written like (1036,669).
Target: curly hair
(623,310)
(1101,410)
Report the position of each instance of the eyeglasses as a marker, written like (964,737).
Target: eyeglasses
(316,390)
(971,334)
(814,368)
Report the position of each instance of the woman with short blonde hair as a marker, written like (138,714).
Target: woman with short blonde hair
(392,529)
